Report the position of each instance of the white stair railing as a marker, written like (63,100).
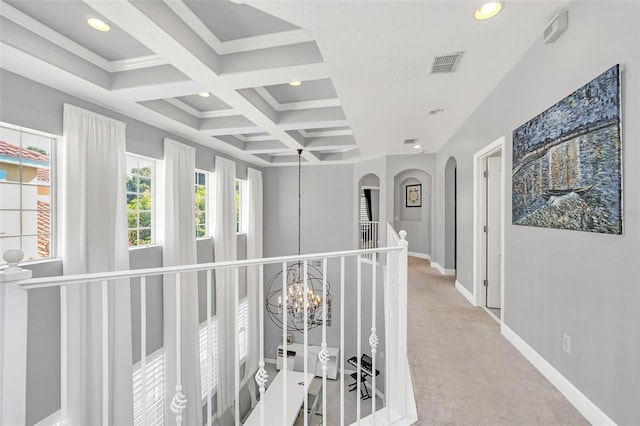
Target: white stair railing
(392,259)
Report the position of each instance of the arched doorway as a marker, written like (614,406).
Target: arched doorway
(414,217)
(450,214)
(369,211)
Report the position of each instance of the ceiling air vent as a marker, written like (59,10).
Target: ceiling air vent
(445,64)
(410,141)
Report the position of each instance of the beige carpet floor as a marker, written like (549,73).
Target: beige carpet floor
(464,371)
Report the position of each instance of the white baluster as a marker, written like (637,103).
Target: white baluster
(373,338)
(143,346)
(236,283)
(359,336)
(209,348)
(341,366)
(305,313)
(284,336)
(323,356)
(105,352)
(261,375)
(179,400)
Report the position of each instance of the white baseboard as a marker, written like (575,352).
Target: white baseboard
(467,295)
(420,255)
(442,270)
(270,361)
(588,409)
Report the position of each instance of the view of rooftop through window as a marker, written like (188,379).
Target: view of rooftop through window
(25,192)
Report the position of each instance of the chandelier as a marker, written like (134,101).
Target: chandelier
(300,290)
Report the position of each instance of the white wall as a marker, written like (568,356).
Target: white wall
(583,284)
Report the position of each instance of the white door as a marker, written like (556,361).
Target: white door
(494,252)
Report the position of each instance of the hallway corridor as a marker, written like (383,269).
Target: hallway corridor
(464,372)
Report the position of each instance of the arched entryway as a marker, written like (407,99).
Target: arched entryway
(450,214)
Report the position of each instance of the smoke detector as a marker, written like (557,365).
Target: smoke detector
(446,63)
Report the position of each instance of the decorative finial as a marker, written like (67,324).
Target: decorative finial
(14,272)
(403,234)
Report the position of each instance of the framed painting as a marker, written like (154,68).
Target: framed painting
(567,170)
(413,195)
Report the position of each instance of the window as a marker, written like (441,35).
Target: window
(243,343)
(204,365)
(154,391)
(26,199)
(201,204)
(140,190)
(240,206)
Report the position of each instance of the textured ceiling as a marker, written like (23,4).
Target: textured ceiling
(364,67)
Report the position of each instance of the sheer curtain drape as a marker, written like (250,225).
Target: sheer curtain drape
(94,235)
(225,249)
(179,248)
(254,251)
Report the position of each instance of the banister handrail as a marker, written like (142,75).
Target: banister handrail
(135,273)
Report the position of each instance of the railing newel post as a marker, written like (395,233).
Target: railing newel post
(13,333)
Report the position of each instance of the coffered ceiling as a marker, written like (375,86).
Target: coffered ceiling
(364,67)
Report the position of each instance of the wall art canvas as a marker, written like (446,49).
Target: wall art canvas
(413,195)
(567,170)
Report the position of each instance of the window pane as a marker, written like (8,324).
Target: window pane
(145,237)
(44,245)
(9,223)
(133,237)
(145,185)
(9,196)
(9,243)
(30,247)
(145,219)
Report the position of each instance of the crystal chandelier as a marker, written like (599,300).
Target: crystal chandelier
(292,303)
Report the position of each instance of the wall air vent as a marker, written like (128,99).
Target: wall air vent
(410,141)
(556,27)
(445,64)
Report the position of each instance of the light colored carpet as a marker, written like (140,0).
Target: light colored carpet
(464,371)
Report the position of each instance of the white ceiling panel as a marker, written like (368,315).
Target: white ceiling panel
(231,21)
(69,18)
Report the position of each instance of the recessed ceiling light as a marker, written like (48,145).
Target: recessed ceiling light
(98,24)
(417,146)
(295,83)
(436,111)
(204,94)
(488,10)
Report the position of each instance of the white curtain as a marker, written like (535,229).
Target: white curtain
(254,251)
(225,249)
(179,248)
(94,238)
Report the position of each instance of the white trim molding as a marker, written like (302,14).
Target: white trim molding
(584,405)
(467,295)
(442,270)
(419,255)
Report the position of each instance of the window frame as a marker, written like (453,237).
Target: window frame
(55,140)
(154,201)
(207,204)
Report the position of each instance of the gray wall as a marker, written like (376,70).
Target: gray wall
(583,284)
(417,221)
(35,106)
(328,224)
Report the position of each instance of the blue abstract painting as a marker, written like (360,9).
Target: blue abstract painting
(567,170)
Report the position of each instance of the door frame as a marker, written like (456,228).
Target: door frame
(479,201)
